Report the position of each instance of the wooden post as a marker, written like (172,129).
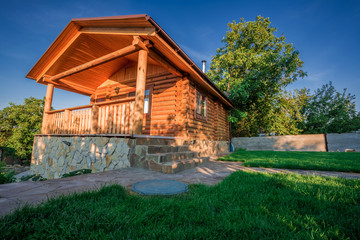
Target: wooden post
(94,119)
(47,107)
(67,119)
(140,92)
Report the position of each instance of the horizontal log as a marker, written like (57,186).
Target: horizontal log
(162,108)
(159,131)
(162,112)
(161,81)
(166,94)
(164,98)
(122,87)
(163,102)
(90,105)
(165,85)
(159,75)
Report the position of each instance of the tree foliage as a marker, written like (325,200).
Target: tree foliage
(329,111)
(288,115)
(253,68)
(19,123)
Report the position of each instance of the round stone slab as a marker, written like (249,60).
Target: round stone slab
(159,187)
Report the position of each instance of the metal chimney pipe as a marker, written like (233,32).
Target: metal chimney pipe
(203,65)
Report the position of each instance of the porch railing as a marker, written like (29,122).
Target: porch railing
(113,117)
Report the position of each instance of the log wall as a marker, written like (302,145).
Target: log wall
(216,126)
(172,104)
(161,119)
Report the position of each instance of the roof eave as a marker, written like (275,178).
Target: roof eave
(172,43)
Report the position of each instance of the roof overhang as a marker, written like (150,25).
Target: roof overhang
(86,39)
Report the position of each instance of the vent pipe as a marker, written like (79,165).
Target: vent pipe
(203,65)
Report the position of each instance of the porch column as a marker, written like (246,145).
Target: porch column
(140,92)
(47,107)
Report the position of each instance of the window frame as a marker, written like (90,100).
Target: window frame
(204,99)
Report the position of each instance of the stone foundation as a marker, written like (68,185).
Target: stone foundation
(209,148)
(53,156)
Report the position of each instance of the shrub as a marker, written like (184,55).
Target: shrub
(77,172)
(6,177)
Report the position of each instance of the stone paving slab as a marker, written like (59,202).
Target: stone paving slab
(14,195)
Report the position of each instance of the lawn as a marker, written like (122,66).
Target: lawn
(326,161)
(242,206)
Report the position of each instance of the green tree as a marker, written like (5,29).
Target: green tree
(19,123)
(288,115)
(329,111)
(253,68)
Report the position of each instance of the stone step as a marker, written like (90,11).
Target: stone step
(173,156)
(154,149)
(179,165)
(160,141)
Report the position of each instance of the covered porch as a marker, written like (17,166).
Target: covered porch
(118,112)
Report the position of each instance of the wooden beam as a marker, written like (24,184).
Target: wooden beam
(47,107)
(143,44)
(144,31)
(153,55)
(78,87)
(61,83)
(98,61)
(140,92)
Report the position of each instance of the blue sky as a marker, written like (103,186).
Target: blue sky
(327,34)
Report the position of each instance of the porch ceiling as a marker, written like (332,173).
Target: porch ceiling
(87,47)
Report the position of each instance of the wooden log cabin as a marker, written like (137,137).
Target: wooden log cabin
(142,87)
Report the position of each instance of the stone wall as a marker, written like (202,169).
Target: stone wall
(311,142)
(209,148)
(338,142)
(54,156)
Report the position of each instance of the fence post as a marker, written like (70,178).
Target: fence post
(67,119)
(94,119)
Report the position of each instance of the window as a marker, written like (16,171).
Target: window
(146,100)
(200,106)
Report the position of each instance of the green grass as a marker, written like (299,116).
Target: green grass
(242,206)
(326,161)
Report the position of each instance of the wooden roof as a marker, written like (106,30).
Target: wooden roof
(86,39)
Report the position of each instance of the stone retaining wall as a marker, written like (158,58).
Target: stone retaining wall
(209,148)
(54,156)
(338,142)
(311,142)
